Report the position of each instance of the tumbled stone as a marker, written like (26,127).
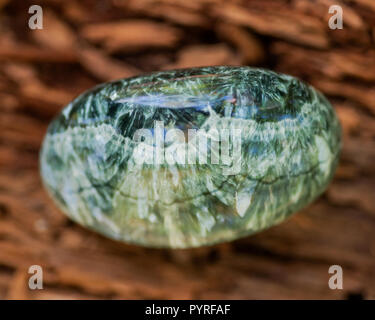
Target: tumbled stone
(190,157)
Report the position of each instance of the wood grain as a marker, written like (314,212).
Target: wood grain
(87,42)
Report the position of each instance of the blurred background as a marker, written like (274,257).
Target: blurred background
(84,43)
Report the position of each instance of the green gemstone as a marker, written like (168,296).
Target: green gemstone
(191,157)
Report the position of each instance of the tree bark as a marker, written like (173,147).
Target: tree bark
(85,43)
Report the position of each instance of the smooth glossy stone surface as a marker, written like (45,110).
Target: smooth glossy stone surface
(190,157)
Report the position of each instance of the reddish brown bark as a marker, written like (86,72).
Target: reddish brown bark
(87,42)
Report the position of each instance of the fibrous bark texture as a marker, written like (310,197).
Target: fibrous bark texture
(84,43)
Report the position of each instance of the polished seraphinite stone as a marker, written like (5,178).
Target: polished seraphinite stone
(190,157)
